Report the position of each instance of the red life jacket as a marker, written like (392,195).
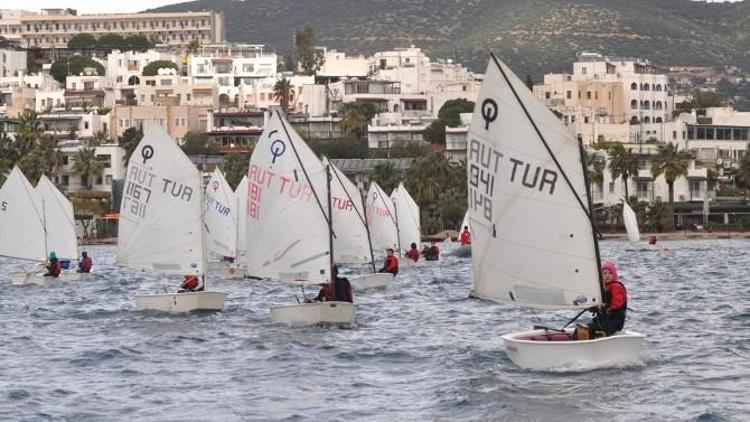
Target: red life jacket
(87,263)
(413,254)
(391,264)
(465,238)
(55,268)
(190,283)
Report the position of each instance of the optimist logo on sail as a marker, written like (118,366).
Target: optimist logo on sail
(278,148)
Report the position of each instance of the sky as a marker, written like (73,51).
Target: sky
(92,6)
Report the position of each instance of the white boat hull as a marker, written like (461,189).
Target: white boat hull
(39,279)
(372,281)
(181,302)
(620,349)
(325,313)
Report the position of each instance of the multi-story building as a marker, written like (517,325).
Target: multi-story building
(230,66)
(125,68)
(260,94)
(12,62)
(604,95)
(88,89)
(235,131)
(53,28)
(387,130)
(110,156)
(61,123)
(175,90)
(177,119)
(456,139)
(338,66)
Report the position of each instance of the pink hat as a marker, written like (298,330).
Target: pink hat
(609,265)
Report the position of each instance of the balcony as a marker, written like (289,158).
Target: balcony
(697,173)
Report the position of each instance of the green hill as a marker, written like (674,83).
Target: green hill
(534,36)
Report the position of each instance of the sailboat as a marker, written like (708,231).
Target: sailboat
(381,219)
(34,222)
(530,212)
(631,223)
(238,271)
(162,221)
(407,219)
(352,242)
(222,221)
(289,209)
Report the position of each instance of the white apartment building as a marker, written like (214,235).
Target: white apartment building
(124,68)
(12,62)
(259,93)
(609,99)
(60,122)
(53,28)
(229,66)
(338,66)
(456,139)
(175,90)
(389,129)
(110,156)
(435,81)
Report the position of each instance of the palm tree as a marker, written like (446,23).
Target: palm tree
(743,171)
(283,92)
(355,116)
(622,162)
(128,141)
(86,165)
(386,176)
(595,164)
(671,162)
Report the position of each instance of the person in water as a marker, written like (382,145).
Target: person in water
(53,266)
(431,253)
(652,240)
(391,263)
(338,290)
(610,318)
(413,253)
(192,283)
(465,236)
(85,264)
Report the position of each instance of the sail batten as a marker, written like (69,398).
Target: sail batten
(532,238)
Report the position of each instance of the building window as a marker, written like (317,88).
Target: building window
(674,134)
(657,120)
(611,187)
(583,70)
(588,95)
(546,95)
(634,86)
(646,119)
(569,94)
(634,104)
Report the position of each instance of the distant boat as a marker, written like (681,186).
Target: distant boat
(407,219)
(289,209)
(381,219)
(222,221)
(530,211)
(351,241)
(162,222)
(464,251)
(34,222)
(631,223)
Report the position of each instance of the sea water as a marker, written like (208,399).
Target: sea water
(421,351)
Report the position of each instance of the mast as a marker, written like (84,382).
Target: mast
(330,220)
(44,227)
(369,240)
(587,182)
(202,199)
(398,230)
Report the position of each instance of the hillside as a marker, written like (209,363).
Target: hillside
(534,36)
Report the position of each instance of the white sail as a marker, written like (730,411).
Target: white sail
(287,208)
(407,218)
(533,240)
(161,225)
(381,219)
(631,223)
(21,221)
(241,193)
(221,216)
(351,245)
(59,221)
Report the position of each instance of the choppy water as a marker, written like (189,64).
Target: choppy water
(423,351)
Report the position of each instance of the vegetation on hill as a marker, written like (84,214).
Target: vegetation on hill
(74,65)
(533,36)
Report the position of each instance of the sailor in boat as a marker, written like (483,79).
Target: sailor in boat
(53,266)
(610,318)
(338,290)
(431,253)
(465,236)
(391,263)
(85,264)
(652,240)
(413,253)
(192,283)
